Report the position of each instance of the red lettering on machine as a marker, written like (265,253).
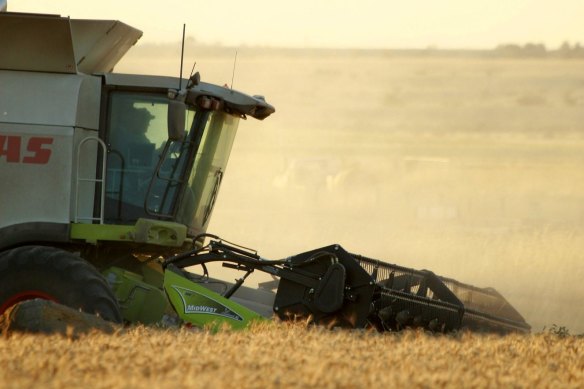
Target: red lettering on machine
(10,148)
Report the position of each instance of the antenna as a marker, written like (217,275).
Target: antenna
(233,75)
(192,70)
(182,53)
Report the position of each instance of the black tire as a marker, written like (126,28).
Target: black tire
(54,274)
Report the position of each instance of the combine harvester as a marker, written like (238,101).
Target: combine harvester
(108,184)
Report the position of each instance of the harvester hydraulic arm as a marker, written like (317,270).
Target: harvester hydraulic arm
(242,259)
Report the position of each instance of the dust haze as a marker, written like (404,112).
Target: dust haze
(469,166)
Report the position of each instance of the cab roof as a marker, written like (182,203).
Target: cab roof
(233,100)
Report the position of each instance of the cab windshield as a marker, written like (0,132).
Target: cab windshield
(208,170)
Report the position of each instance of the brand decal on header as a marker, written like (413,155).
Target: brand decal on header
(198,303)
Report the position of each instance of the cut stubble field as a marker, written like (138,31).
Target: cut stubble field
(276,355)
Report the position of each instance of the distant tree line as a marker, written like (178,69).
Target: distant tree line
(538,50)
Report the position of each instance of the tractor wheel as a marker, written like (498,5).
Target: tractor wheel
(49,273)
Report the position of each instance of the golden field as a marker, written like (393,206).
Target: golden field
(278,355)
(469,166)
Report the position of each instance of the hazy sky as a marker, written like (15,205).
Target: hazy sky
(328,23)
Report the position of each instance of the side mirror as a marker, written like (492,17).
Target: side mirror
(176,119)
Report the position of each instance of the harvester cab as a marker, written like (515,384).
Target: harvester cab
(109,182)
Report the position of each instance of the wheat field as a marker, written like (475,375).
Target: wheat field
(275,355)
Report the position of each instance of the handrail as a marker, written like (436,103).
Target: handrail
(96,180)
